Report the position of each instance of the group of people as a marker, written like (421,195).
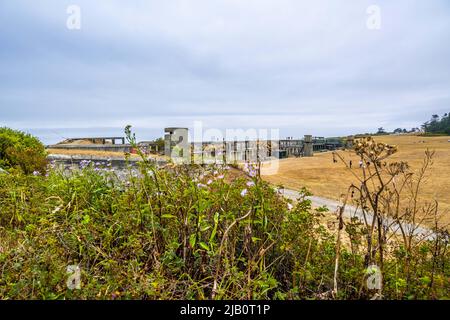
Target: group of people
(361,162)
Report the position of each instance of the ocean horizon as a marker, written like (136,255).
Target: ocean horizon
(49,136)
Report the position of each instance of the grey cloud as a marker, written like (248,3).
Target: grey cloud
(297,65)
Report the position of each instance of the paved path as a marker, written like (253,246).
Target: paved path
(351,211)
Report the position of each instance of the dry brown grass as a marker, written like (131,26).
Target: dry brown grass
(94,153)
(331,180)
(88,153)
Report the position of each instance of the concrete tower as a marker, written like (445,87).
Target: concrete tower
(308,146)
(177,145)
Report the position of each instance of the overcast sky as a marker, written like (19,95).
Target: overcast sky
(300,66)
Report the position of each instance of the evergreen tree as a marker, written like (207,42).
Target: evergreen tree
(438,125)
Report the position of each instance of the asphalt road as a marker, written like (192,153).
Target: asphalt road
(351,211)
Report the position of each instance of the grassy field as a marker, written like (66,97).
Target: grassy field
(331,180)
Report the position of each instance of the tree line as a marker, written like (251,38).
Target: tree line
(438,125)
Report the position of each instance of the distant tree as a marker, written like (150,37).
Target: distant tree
(160,143)
(381,130)
(398,130)
(434,118)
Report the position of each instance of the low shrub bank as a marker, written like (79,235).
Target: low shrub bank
(21,151)
(187,233)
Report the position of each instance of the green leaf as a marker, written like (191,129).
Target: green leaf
(214,232)
(86,219)
(206,228)
(192,240)
(168,216)
(203,205)
(204,246)
(425,280)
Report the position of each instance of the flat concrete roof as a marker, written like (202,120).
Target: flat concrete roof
(174,128)
(96,138)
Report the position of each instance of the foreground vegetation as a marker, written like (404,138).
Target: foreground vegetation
(181,232)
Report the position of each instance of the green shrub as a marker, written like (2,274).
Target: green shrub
(21,151)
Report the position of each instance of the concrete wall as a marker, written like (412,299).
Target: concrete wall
(233,151)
